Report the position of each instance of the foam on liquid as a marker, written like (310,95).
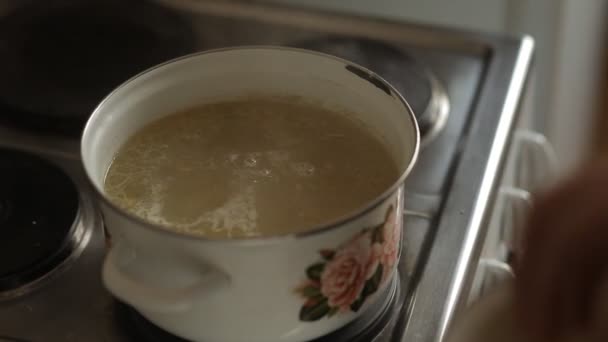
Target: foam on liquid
(244,168)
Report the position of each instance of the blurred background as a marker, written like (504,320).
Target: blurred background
(567,95)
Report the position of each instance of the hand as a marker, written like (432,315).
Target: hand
(562,279)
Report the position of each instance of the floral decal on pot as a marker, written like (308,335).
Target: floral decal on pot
(346,276)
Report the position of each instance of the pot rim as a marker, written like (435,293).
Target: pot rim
(369,76)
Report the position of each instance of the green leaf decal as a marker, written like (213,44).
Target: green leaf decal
(314,271)
(356,305)
(315,311)
(327,254)
(378,234)
(332,311)
(310,291)
(373,283)
(371,286)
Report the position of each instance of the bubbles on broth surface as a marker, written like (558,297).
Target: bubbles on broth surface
(246,168)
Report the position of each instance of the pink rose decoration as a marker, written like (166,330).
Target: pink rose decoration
(344,276)
(391,244)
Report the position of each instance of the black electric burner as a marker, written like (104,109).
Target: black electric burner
(414,81)
(368,326)
(38,209)
(58,59)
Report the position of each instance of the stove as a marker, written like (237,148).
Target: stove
(463,87)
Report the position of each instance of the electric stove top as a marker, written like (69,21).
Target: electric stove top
(463,87)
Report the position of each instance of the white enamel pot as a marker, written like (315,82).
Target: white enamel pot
(281,288)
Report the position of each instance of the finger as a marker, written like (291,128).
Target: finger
(542,280)
(586,262)
(553,267)
(558,276)
(574,270)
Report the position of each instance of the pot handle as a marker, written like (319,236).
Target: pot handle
(495,272)
(515,205)
(149,297)
(537,161)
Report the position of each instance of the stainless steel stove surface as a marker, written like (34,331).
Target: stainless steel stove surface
(465,87)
